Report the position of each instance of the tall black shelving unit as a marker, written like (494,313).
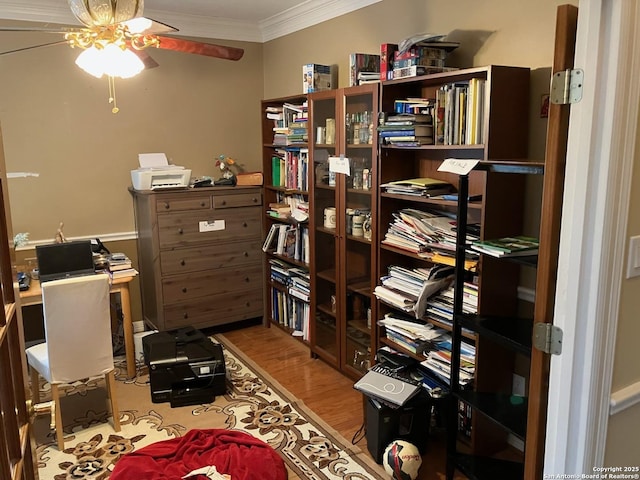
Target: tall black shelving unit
(506,411)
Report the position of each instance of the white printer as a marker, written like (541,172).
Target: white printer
(155,173)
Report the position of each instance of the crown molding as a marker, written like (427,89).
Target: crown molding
(208,27)
(307,14)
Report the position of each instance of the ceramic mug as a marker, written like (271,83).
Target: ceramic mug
(330,217)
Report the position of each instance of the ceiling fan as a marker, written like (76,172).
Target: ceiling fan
(115,37)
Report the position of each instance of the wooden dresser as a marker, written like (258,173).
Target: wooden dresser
(199,254)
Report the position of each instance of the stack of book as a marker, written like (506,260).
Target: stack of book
(409,289)
(290,303)
(120,265)
(422,55)
(417,231)
(297,124)
(279,210)
(440,306)
(507,246)
(407,129)
(413,336)
(438,361)
(363,67)
(422,187)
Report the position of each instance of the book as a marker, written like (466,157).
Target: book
(387,51)
(362,62)
(391,130)
(408,139)
(128,272)
(409,117)
(507,246)
(271,235)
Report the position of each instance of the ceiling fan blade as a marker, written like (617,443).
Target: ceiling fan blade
(146,58)
(199,48)
(60,42)
(148,26)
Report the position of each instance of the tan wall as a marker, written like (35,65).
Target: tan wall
(56,121)
(624,425)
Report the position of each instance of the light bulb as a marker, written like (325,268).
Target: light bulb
(110,60)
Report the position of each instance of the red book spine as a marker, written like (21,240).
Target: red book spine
(387,51)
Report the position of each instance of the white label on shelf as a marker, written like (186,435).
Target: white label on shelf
(339,165)
(459,166)
(207,226)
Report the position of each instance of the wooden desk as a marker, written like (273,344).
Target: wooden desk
(33,296)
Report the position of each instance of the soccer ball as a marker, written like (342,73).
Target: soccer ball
(402,460)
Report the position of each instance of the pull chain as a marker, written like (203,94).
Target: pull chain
(112,94)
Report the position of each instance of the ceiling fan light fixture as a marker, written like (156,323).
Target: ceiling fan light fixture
(105,12)
(111,60)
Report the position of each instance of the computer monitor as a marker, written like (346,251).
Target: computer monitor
(64,260)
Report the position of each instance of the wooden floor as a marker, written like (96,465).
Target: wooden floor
(323,389)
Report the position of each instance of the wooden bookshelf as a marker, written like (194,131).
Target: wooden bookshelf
(503,134)
(342,258)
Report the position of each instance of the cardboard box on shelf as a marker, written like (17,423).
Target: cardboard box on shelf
(318,77)
(249,178)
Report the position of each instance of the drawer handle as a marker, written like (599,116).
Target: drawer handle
(167,206)
(202,204)
(184,289)
(180,231)
(255,200)
(246,254)
(247,279)
(248,304)
(185,315)
(245,224)
(183,263)
(224,202)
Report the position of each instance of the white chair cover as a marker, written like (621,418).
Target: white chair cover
(77,328)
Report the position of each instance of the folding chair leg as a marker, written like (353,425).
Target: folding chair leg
(111,391)
(55,396)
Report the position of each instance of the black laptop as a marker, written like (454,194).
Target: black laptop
(64,260)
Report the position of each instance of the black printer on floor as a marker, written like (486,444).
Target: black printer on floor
(185,367)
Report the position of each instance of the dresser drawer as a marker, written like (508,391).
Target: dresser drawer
(214,310)
(190,228)
(238,200)
(181,203)
(227,281)
(207,257)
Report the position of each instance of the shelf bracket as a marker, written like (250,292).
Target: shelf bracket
(547,338)
(566,86)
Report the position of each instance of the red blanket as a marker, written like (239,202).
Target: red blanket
(235,453)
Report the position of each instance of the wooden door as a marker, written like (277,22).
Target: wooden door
(16,443)
(555,160)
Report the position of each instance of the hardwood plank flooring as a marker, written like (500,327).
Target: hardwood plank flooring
(322,388)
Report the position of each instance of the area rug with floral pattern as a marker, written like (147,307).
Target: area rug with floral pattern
(254,403)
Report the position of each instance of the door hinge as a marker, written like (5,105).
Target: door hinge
(566,86)
(547,338)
